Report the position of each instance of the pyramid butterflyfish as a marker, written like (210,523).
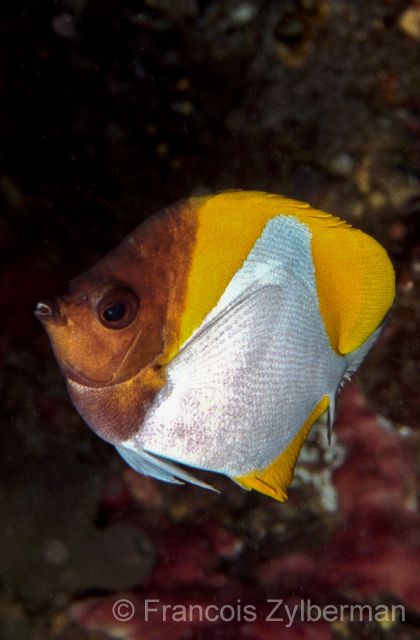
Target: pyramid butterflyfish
(217,332)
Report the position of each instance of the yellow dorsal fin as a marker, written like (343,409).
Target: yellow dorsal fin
(354,276)
(275,479)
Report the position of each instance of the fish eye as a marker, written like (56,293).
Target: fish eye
(117,309)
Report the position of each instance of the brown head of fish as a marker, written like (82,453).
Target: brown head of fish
(114,329)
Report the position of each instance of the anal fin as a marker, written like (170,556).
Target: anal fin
(275,479)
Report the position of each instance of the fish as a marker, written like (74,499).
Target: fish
(217,333)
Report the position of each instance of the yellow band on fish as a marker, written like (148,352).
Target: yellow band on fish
(354,277)
(275,479)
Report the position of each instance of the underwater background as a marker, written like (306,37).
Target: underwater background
(110,110)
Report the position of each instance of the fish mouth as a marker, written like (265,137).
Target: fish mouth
(49,311)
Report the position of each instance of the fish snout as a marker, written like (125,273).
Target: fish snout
(49,311)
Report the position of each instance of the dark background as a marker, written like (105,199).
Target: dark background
(110,110)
